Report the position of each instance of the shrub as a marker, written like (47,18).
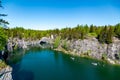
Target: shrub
(57,42)
(2,64)
(64,45)
(104,56)
(92,35)
(3,38)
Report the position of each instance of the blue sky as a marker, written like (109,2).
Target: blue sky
(50,14)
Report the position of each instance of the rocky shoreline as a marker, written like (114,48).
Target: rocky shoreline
(93,49)
(5,73)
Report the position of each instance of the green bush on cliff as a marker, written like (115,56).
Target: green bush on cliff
(57,42)
(3,38)
(92,35)
(2,64)
(104,56)
(65,45)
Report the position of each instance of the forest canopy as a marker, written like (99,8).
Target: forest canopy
(104,34)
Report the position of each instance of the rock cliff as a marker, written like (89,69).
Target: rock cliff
(6,73)
(92,48)
(86,47)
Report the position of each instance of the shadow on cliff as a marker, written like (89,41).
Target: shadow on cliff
(19,74)
(13,61)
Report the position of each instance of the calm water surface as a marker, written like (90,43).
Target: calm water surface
(53,65)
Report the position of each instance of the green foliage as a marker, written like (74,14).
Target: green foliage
(65,45)
(104,56)
(109,35)
(57,42)
(3,38)
(106,35)
(28,34)
(92,35)
(117,30)
(2,21)
(2,64)
(103,34)
(92,28)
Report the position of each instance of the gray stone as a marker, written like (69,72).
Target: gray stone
(6,73)
(95,49)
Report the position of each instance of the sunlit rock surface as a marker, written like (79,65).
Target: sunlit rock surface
(5,74)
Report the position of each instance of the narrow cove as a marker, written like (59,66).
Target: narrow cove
(45,64)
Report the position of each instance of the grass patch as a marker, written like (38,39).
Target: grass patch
(92,35)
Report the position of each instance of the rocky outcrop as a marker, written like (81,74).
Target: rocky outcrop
(16,43)
(92,48)
(1,54)
(6,73)
(46,42)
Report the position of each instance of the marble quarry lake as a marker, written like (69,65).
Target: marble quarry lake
(45,64)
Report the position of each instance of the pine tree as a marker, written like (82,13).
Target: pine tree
(117,30)
(103,35)
(109,35)
(92,28)
(3,36)
(2,21)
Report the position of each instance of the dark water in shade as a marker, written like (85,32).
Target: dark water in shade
(53,65)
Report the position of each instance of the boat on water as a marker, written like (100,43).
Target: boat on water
(72,58)
(95,64)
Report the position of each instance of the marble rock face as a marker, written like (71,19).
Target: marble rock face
(93,48)
(6,73)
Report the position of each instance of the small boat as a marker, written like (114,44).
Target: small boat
(72,58)
(103,65)
(94,64)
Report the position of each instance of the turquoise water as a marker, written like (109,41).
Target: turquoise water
(53,65)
